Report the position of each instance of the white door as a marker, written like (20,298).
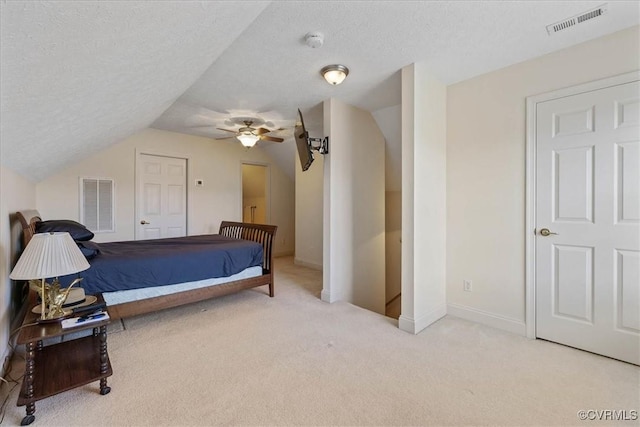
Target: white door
(588,198)
(161,197)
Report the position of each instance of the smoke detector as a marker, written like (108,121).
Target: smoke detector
(577,19)
(314,39)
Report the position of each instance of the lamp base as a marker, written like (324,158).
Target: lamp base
(65,313)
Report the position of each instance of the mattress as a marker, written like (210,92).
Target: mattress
(120,297)
(120,266)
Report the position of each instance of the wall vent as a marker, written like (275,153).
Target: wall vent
(578,19)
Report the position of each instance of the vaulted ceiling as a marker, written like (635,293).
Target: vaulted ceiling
(80,76)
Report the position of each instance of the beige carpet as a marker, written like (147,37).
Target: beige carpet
(248,359)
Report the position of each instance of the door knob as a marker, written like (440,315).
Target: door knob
(143,222)
(545,232)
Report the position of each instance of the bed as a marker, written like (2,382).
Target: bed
(134,300)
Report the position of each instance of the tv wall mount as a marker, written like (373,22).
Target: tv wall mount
(321,145)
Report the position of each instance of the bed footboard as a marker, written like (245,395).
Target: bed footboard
(261,233)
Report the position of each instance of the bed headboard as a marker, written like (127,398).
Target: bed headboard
(28,221)
(260,233)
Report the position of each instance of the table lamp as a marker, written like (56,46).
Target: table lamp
(50,255)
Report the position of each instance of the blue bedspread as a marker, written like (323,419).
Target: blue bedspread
(145,263)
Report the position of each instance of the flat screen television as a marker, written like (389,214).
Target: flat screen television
(302,143)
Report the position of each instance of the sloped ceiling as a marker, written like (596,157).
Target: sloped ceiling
(79,76)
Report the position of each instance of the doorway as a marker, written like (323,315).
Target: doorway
(583,254)
(161,196)
(256,205)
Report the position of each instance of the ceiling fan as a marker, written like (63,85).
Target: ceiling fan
(249,135)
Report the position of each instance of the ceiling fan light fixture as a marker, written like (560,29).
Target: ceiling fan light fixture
(334,74)
(248,139)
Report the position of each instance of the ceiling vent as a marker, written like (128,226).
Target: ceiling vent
(578,19)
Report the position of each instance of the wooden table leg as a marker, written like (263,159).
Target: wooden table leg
(104,366)
(30,365)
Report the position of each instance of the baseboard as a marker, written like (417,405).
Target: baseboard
(486,318)
(308,264)
(414,326)
(326,296)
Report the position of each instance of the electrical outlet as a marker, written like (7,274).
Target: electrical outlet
(467,285)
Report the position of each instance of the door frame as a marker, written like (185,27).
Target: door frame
(530,178)
(267,190)
(136,196)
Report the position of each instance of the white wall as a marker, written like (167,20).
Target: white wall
(16,194)
(354,229)
(217,163)
(486,172)
(424,224)
(309,213)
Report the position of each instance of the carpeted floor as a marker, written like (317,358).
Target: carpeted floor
(248,359)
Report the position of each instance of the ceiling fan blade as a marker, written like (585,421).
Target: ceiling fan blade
(261,131)
(270,138)
(226,137)
(227,130)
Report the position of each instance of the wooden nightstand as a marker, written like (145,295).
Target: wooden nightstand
(52,369)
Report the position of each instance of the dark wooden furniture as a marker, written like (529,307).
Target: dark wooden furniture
(52,369)
(263,234)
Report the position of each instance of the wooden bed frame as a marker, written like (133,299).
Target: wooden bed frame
(260,233)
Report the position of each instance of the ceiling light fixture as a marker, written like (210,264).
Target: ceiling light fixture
(248,139)
(334,74)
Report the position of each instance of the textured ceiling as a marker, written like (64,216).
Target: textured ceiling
(270,70)
(78,76)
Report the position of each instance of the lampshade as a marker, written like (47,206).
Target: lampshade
(248,139)
(49,255)
(335,74)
